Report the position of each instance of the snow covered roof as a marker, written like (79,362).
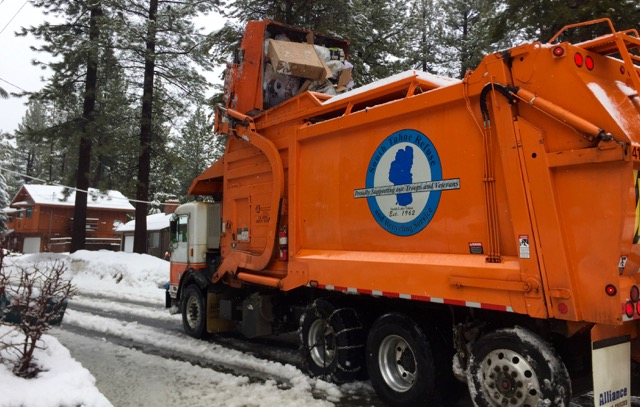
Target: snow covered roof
(157,221)
(54,195)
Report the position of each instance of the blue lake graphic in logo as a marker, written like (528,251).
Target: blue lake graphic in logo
(400,173)
(404,183)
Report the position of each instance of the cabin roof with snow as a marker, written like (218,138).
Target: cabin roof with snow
(155,222)
(54,195)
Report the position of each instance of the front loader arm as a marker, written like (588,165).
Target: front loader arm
(243,128)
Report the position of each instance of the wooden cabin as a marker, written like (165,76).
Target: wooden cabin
(158,234)
(41,219)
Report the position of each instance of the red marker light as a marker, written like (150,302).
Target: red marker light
(563,308)
(622,70)
(629,309)
(634,294)
(577,58)
(611,290)
(589,63)
(558,51)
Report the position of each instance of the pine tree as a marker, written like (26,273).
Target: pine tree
(326,16)
(466,33)
(76,40)
(115,153)
(427,52)
(521,20)
(159,39)
(380,34)
(6,151)
(197,149)
(31,140)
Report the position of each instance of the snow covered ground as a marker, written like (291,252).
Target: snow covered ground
(103,277)
(118,346)
(63,381)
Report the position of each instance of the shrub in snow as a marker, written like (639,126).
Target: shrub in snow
(32,298)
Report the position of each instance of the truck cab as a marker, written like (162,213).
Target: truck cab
(195,230)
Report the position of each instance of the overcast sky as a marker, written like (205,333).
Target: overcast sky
(15,60)
(16,71)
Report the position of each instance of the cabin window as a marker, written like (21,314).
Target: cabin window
(154,240)
(29,211)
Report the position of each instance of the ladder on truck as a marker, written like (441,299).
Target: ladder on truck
(623,44)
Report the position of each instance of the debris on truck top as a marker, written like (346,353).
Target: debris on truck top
(295,67)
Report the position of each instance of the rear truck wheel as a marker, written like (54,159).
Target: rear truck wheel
(332,342)
(400,361)
(515,367)
(194,314)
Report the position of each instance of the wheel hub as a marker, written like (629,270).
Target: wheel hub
(193,312)
(322,343)
(509,379)
(397,363)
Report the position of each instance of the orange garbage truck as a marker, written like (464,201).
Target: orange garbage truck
(421,228)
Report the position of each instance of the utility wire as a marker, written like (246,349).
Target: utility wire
(82,190)
(14,16)
(15,86)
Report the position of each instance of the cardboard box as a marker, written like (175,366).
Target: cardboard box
(343,79)
(297,59)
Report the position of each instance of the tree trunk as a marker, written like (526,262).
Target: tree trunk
(424,37)
(144,161)
(79,230)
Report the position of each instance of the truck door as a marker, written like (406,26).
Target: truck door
(180,254)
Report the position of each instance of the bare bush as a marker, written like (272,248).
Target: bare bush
(34,299)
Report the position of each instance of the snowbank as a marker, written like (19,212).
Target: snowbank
(62,382)
(136,276)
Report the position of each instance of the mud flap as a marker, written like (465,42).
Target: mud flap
(215,324)
(611,367)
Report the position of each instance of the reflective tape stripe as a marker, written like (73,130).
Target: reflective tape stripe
(422,298)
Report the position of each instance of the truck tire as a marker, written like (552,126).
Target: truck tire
(515,367)
(332,342)
(194,314)
(401,363)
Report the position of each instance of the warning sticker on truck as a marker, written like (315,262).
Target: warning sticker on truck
(525,251)
(404,183)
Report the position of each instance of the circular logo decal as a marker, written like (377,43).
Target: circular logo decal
(404,183)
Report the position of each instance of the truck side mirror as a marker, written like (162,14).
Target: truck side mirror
(173,230)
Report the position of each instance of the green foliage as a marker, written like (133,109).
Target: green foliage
(196,148)
(466,34)
(540,19)
(49,135)
(379,32)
